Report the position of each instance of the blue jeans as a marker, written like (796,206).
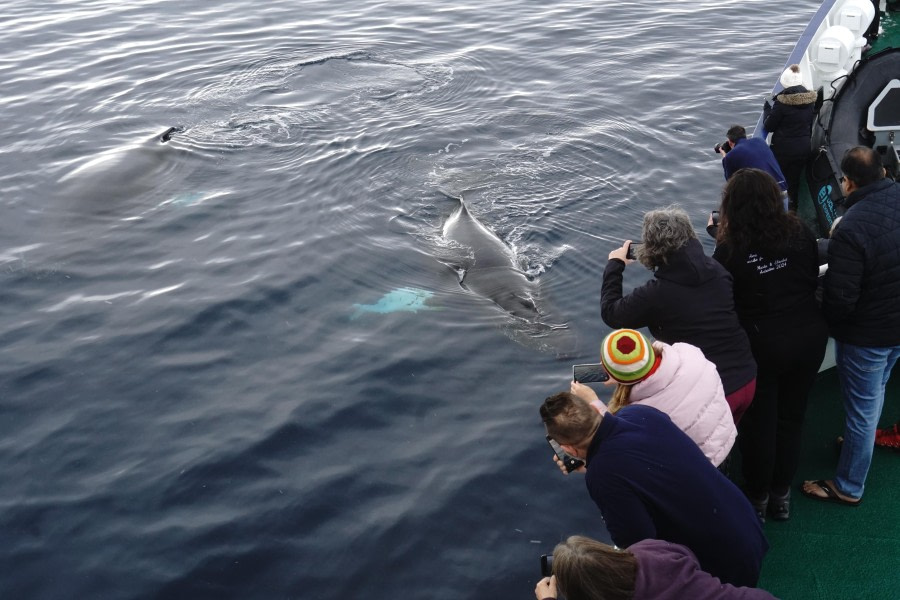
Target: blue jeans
(864,373)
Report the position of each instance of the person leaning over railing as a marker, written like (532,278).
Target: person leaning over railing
(688,300)
(585,569)
(677,379)
(651,481)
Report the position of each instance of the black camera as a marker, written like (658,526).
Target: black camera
(546,565)
(726,146)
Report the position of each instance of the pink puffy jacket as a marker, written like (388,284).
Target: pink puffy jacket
(687,387)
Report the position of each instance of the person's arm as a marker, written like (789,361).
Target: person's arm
(773,120)
(720,254)
(620,311)
(843,280)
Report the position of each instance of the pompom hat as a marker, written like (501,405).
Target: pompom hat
(791,76)
(627,356)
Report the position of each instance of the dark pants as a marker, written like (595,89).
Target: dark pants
(787,359)
(792,168)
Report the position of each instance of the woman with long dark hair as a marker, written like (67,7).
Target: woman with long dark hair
(772,256)
(585,569)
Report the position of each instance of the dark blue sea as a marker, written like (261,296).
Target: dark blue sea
(240,364)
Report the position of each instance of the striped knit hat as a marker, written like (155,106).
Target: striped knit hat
(627,356)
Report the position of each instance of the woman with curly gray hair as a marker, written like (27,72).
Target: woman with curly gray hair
(688,300)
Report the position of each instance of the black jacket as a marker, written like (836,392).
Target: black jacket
(775,289)
(790,122)
(861,297)
(689,300)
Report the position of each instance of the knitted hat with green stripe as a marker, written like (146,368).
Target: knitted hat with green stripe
(627,356)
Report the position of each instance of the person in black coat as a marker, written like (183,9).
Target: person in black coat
(860,303)
(689,300)
(789,121)
(773,257)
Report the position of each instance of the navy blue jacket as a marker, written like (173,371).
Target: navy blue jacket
(689,300)
(790,122)
(861,297)
(753,153)
(651,481)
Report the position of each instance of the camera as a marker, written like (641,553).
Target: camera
(546,565)
(725,146)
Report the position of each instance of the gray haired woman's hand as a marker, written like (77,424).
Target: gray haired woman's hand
(622,253)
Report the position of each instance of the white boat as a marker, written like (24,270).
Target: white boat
(850,54)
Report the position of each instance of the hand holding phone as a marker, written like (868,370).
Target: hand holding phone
(569,462)
(592,373)
(632,249)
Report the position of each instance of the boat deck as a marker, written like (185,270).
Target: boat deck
(829,551)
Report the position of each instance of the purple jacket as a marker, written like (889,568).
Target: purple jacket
(668,571)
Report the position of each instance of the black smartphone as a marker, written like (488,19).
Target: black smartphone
(589,373)
(570,462)
(632,248)
(546,565)
(715,218)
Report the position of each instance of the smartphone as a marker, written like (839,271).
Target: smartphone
(632,248)
(715,218)
(589,373)
(546,565)
(570,462)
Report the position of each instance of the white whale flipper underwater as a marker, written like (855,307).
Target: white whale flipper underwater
(403,299)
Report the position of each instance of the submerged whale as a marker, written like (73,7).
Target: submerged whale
(405,299)
(124,171)
(491,270)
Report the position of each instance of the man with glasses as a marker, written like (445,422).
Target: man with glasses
(860,302)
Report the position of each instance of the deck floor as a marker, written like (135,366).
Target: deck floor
(828,551)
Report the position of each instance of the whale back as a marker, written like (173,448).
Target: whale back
(494,271)
(488,249)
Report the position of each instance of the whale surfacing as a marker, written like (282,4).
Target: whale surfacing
(493,272)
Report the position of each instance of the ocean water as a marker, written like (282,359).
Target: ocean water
(241,364)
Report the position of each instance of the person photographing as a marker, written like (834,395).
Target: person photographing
(585,569)
(651,481)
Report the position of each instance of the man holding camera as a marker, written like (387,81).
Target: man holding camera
(651,481)
(741,152)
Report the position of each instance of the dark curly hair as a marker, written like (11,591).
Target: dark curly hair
(752,214)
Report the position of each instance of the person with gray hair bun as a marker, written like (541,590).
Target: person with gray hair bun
(688,300)
(585,569)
